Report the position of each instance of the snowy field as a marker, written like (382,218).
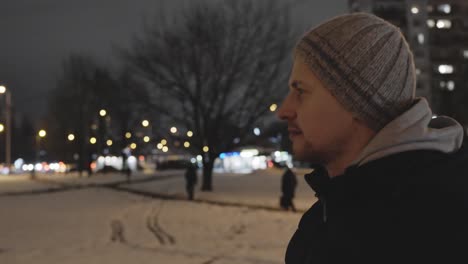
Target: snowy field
(102,225)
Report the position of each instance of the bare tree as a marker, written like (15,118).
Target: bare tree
(83,88)
(71,104)
(215,70)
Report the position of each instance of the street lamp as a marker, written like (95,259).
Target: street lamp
(41,134)
(71,137)
(102,112)
(189,133)
(273,107)
(173,130)
(3,90)
(145,123)
(2,127)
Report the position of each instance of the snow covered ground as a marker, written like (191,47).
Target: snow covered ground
(95,224)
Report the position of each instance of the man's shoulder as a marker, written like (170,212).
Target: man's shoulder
(422,161)
(419,172)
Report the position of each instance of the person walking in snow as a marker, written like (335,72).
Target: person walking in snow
(391,179)
(288,187)
(190,181)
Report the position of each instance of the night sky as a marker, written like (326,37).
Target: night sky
(37,35)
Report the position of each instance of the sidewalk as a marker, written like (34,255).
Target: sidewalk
(260,189)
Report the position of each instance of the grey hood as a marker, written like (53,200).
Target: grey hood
(416,129)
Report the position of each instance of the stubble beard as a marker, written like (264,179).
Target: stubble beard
(306,152)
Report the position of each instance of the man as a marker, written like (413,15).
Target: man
(391,180)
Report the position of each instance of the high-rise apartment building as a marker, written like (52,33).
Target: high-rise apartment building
(437,32)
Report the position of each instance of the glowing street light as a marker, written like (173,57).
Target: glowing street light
(189,133)
(186,144)
(145,123)
(165,149)
(128,135)
(42,133)
(146,139)
(3,90)
(71,137)
(109,142)
(102,113)
(160,146)
(133,146)
(257,131)
(92,140)
(206,149)
(164,142)
(2,127)
(173,130)
(273,107)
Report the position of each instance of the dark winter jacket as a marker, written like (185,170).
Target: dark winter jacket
(404,199)
(406,208)
(191,176)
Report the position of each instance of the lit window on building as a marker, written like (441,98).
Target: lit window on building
(431,23)
(444,8)
(450,85)
(465,54)
(414,10)
(445,69)
(444,23)
(421,38)
(447,85)
(442,84)
(418,71)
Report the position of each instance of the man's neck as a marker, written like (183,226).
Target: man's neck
(350,152)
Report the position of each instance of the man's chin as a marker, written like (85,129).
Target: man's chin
(299,153)
(306,154)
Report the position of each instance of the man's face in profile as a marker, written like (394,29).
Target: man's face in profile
(317,124)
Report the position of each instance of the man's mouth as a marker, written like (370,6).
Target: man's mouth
(294,132)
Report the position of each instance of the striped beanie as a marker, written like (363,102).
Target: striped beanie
(365,63)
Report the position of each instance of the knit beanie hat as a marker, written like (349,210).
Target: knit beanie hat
(365,63)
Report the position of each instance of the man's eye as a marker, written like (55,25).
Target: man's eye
(299,91)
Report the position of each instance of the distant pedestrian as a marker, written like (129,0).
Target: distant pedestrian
(288,187)
(190,180)
(126,153)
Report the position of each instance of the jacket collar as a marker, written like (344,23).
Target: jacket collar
(381,173)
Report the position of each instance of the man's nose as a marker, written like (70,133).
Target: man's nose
(286,110)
